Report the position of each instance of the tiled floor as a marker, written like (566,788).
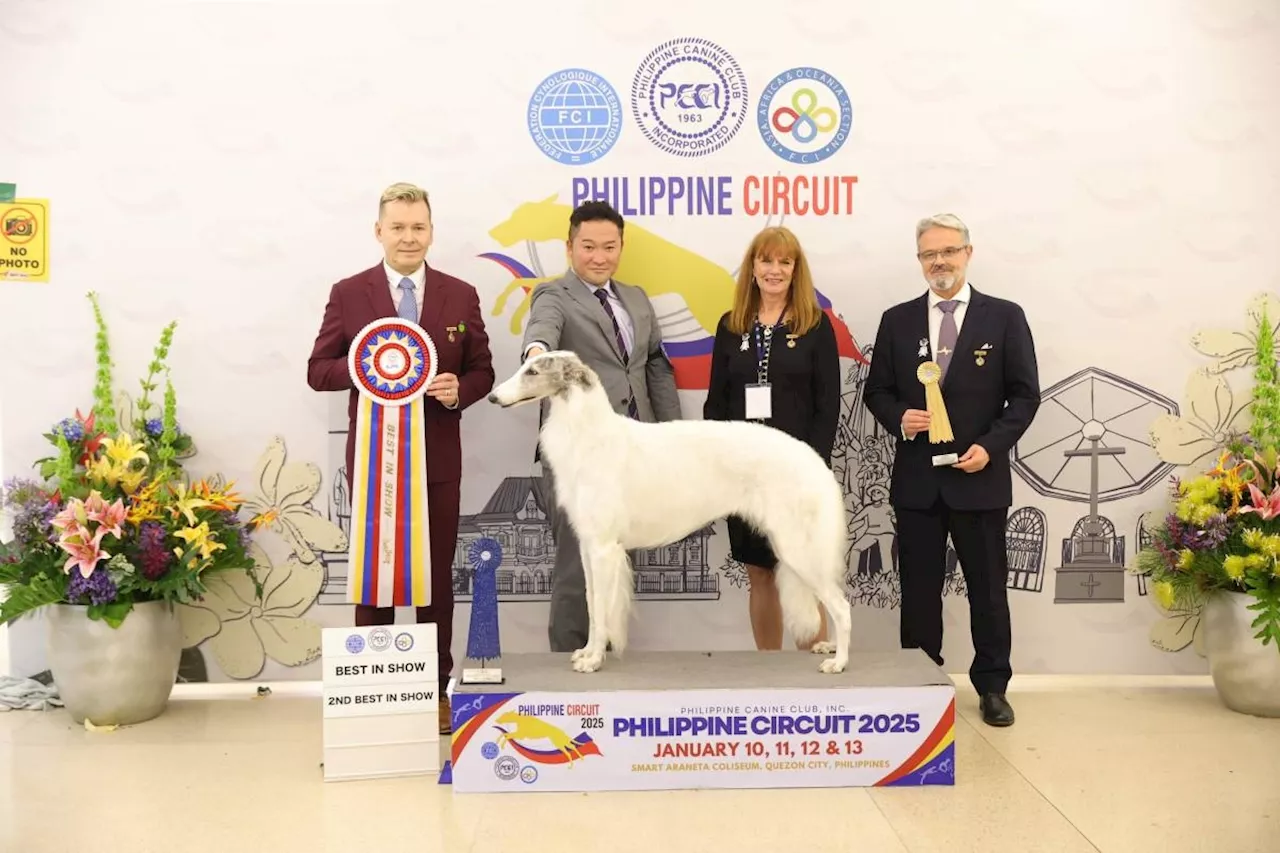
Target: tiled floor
(1119,765)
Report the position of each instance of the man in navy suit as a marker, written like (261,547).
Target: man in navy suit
(992,391)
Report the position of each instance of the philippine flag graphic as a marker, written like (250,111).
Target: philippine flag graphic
(687,343)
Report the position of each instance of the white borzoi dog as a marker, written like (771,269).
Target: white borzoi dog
(626,485)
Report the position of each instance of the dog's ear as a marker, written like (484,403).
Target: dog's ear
(576,374)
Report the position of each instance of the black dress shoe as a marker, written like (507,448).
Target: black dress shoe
(996,710)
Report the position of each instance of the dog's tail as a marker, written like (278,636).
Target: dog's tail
(808,537)
(800,614)
(617,597)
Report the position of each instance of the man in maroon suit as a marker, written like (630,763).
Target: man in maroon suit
(448,309)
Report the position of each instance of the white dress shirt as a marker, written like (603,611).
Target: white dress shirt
(419,279)
(963,296)
(936,314)
(625,323)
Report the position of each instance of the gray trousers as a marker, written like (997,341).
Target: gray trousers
(568,625)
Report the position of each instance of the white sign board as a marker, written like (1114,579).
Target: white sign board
(381,702)
(650,740)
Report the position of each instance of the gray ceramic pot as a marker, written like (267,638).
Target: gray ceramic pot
(115,676)
(1245,673)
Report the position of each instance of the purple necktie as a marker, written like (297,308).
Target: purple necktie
(632,412)
(947,335)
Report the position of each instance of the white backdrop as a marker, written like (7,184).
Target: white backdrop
(219,164)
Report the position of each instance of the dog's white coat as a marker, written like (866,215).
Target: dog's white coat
(626,485)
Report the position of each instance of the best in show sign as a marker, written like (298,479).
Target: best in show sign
(381,702)
(646,740)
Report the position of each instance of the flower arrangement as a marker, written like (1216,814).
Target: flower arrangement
(1224,530)
(113,519)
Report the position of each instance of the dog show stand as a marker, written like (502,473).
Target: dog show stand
(685,720)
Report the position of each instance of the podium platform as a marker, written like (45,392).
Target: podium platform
(685,720)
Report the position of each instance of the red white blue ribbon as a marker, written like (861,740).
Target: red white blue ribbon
(389,560)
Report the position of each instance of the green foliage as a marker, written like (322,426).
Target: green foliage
(102,402)
(1265,407)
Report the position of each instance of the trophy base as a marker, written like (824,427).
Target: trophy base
(483,675)
(945,459)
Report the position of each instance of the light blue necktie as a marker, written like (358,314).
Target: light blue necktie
(408,305)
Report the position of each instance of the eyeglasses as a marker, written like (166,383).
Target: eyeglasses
(933,254)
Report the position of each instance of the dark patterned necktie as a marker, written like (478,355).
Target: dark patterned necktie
(632,412)
(947,335)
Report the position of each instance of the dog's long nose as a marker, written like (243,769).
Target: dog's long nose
(493,398)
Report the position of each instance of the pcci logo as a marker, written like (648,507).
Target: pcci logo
(689,97)
(804,115)
(506,768)
(379,639)
(575,116)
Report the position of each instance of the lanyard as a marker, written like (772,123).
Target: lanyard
(764,346)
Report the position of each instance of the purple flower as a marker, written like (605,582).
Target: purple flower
(231,520)
(32,511)
(1185,536)
(70,429)
(1214,533)
(155,556)
(155,426)
(98,587)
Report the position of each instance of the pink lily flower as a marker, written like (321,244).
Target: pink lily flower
(84,554)
(72,517)
(1266,507)
(110,516)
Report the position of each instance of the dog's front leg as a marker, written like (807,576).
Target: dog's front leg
(592,625)
(596,567)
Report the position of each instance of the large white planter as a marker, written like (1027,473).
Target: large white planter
(115,676)
(1245,673)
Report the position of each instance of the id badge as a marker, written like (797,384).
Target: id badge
(759,402)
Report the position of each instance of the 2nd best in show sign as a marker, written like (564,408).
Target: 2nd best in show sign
(638,740)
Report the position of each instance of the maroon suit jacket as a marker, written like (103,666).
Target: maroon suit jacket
(359,300)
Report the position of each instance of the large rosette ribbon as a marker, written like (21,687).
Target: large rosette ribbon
(391,363)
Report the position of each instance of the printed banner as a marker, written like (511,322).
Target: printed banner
(392,362)
(647,740)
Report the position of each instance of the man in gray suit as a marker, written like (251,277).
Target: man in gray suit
(613,328)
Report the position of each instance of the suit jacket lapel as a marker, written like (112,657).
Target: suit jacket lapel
(434,299)
(579,291)
(639,317)
(380,293)
(973,319)
(918,329)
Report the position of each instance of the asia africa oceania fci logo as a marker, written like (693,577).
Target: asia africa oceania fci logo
(689,97)
(804,115)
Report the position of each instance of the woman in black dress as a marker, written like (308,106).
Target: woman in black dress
(777,336)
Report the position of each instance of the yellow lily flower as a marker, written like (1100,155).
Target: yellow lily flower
(187,504)
(124,451)
(198,537)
